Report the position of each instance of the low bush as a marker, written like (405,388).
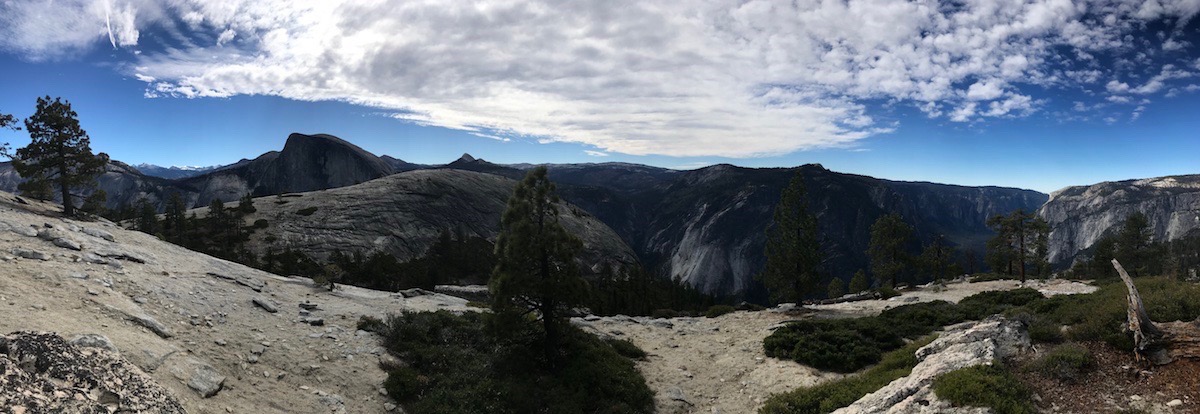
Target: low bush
(307,211)
(887,292)
(1065,363)
(459,364)
(718,310)
(752,307)
(984,304)
(372,324)
(261,224)
(989,386)
(626,349)
(830,396)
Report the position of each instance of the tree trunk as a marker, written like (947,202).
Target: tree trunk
(1159,343)
(63,180)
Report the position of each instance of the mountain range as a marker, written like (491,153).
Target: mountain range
(705,227)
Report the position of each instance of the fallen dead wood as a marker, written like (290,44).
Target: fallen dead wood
(1157,342)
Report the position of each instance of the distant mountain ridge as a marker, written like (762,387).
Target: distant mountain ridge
(705,226)
(173,172)
(1080,215)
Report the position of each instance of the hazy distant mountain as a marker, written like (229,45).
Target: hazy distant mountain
(173,172)
(306,163)
(123,184)
(404,213)
(1081,215)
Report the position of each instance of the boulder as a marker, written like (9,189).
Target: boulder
(30,254)
(43,373)
(94,341)
(267,305)
(99,234)
(200,377)
(960,346)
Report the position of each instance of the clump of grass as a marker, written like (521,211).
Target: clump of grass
(1066,363)
(989,386)
(718,310)
(307,211)
(830,396)
(372,324)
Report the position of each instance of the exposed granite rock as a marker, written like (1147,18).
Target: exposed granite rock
(42,373)
(960,346)
(30,254)
(1079,216)
(403,214)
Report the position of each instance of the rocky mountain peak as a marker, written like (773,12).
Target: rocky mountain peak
(466,158)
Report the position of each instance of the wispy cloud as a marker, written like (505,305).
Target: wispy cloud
(683,78)
(595,153)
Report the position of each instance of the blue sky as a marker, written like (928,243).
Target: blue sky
(1034,94)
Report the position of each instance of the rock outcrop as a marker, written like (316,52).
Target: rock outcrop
(43,373)
(306,163)
(403,214)
(961,346)
(708,226)
(1079,216)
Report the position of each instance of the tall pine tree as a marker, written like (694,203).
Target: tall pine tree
(1021,240)
(793,250)
(60,153)
(536,269)
(888,249)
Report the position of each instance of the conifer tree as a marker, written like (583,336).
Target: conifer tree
(937,260)
(859,282)
(536,269)
(793,250)
(888,248)
(59,155)
(7,122)
(1021,239)
(836,289)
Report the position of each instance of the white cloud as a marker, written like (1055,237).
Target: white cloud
(686,78)
(595,153)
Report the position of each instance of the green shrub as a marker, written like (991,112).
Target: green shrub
(372,324)
(626,349)
(461,364)
(984,304)
(718,310)
(751,307)
(830,396)
(989,277)
(887,292)
(1066,363)
(307,211)
(261,224)
(989,386)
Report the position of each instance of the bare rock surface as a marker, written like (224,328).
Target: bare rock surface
(961,346)
(43,373)
(137,278)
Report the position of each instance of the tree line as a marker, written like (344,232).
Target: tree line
(795,261)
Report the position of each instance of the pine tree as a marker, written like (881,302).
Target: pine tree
(836,288)
(536,269)
(888,248)
(7,122)
(147,221)
(937,259)
(1021,240)
(175,218)
(859,282)
(793,251)
(94,203)
(60,153)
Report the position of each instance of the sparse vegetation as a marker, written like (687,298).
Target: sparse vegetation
(990,386)
(457,364)
(830,396)
(626,348)
(1067,363)
(848,345)
(307,211)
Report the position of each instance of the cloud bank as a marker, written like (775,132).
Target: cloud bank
(681,78)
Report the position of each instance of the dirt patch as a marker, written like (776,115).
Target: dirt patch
(1117,383)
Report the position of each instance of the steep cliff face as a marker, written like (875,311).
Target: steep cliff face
(1081,215)
(403,215)
(307,163)
(708,226)
(123,184)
